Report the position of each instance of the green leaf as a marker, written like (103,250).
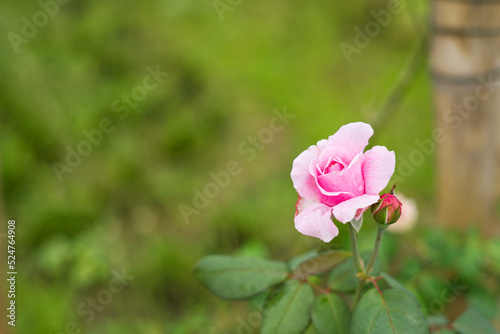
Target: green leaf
(437,320)
(440,325)
(357,223)
(330,315)
(393,283)
(473,322)
(343,278)
(295,261)
(393,312)
(310,330)
(483,301)
(287,310)
(443,331)
(320,263)
(238,277)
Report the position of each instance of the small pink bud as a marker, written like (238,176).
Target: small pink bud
(387,210)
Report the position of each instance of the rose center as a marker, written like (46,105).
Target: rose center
(333,165)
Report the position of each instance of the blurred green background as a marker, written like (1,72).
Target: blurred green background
(119,207)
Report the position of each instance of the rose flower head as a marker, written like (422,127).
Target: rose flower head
(336,178)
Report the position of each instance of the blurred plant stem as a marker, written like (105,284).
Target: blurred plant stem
(363,272)
(403,84)
(353,234)
(376,248)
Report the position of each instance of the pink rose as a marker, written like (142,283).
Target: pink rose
(334,177)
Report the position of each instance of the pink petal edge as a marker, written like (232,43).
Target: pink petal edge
(346,211)
(378,167)
(315,221)
(353,137)
(303,181)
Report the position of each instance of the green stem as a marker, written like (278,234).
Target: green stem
(357,294)
(376,248)
(354,245)
(357,260)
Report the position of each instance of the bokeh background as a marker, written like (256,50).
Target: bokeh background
(119,207)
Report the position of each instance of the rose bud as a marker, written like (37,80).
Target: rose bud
(387,210)
(409,216)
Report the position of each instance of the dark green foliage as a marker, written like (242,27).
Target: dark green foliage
(239,277)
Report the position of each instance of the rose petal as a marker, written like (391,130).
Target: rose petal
(346,211)
(348,180)
(335,153)
(353,137)
(303,181)
(328,197)
(303,203)
(335,199)
(378,167)
(321,145)
(315,221)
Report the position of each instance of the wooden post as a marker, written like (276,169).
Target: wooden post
(465,65)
